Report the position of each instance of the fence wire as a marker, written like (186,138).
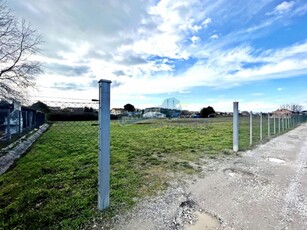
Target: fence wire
(257,128)
(73,129)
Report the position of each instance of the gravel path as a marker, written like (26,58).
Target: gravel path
(265,188)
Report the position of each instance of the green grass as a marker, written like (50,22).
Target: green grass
(54,185)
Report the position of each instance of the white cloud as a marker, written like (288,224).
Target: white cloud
(280,89)
(140,44)
(184,91)
(282,8)
(207,22)
(214,36)
(194,40)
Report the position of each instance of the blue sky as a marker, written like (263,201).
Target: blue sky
(203,52)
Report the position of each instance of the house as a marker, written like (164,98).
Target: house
(162,112)
(245,113)
(74,109)
(218,113)
(117,111)
(282,113)
(54,108)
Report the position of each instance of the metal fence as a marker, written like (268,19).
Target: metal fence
(15,123)
(69,123)
(257,128)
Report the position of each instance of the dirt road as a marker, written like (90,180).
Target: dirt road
(265,188)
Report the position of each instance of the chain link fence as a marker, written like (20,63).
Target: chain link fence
(69,124)
(257,128)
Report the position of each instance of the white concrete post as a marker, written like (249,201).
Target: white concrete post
(269,127)
(19,123)
(8,125)
(235,126)
(278,124)
(274,125)
(104,145)
(251,128)
(289,123)
(31,120)
(261,126)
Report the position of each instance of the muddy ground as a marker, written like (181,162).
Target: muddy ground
(265,188)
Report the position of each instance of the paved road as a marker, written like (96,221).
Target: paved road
(265,188)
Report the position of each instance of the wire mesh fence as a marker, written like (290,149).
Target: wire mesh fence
(58,175)
(72,128)
(257,128)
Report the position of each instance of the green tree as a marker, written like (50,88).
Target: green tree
(88,109)
(129,108)
(205,112)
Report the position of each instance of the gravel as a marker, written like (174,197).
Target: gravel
(250,191)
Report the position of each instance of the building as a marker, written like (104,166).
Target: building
(117,111)
(244,113)
(282,113)
(161,112)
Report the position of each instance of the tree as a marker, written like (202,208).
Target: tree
(18,42)
(205,112)
(129,108)
(292,107)
(88,109)
(40,106)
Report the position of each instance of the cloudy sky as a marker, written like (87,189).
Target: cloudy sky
(203,52)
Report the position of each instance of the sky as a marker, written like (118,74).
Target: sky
(202,52)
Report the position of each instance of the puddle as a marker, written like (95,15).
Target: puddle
(237,173)
(276,160)
(204,222)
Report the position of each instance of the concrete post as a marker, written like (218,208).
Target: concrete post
(235,126)
(289,120)
(19,122)
(274,125)
(251,128)
(278,124)
(104,145)
(8,126)
(31,120)
(261,126)
(269,127)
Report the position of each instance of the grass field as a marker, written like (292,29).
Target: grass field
(55,184)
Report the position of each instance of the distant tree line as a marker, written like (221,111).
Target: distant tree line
(292,107)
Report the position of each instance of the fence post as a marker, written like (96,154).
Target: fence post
(31,120)
(26,120)
(19,123)
(278,124)
(289,123)
(235,126)
(269,127)
(274,125)
(260,126)
(8,125)
(251,128)
(104,145)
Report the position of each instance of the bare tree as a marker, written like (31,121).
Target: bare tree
(18,42)
(292,107)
